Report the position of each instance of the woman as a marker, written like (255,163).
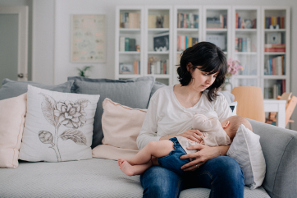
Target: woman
(201,72)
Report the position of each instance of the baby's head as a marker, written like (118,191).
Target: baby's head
(231,125)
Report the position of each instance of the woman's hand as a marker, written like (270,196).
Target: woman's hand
(194,135)
(203,154)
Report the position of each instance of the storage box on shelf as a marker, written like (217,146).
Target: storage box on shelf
(276,51)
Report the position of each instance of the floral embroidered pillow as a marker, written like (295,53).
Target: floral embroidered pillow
(58,127)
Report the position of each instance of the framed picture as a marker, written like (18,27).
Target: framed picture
(126,68)
(274,38)
(161,42)
(88,38)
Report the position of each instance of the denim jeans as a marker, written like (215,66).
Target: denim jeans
(221,174)
(172,161)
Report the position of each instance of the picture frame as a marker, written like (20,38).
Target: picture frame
(274,38)
(161,42)
(88,39)
(126,68)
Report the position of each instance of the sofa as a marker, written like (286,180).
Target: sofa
(99,177)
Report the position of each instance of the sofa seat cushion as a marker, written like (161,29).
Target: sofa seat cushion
(86,178)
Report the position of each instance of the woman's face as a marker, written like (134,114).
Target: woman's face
(202,80)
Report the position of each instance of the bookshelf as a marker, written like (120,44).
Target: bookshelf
(187,30)
(242,32)
(275,51)
(246,45)
(129,42)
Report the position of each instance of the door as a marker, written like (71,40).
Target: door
(13,43)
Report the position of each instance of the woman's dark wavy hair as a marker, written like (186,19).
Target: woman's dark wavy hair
(208,58)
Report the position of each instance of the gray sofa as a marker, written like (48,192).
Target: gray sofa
(103,178)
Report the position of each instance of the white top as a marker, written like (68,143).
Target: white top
(214,134)
(166,116)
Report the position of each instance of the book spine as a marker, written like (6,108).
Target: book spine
(275,50)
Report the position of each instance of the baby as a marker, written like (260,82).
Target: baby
(169,151)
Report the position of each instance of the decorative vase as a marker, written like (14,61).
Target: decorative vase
(227,85)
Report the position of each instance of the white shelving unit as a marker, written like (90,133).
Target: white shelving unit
(253,58)
(246,45)
(275,83)
(184,32)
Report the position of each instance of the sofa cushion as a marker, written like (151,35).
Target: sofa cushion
(247,151)
(121,126)
(59,126)
(132,93)
(12,120)
(12,88)
(86,178)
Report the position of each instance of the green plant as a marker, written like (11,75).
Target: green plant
(82,72)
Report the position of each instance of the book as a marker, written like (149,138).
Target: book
(275,50)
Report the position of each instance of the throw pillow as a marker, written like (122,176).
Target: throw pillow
(59,126)
(121,126)
(12,120)
(132,93)
(12,88)
(247,151)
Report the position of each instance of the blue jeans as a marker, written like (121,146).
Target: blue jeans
(221,174)
(172,161)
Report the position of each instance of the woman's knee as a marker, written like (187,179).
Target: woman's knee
(160,182)
(229,169)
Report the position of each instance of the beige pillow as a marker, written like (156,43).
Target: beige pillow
(121,126)
(12,120)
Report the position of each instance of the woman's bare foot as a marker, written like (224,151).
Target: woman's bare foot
(126,167)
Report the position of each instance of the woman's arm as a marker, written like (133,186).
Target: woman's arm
(203,154)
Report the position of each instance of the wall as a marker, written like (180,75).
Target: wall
(52,65)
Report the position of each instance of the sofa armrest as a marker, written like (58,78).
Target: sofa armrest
(279,147)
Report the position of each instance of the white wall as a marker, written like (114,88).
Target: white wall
(45,57)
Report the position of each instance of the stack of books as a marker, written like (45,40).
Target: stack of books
(275,66)
(275,48)
(275,22)
(130,20)
(243,44)
(127,44)
(183,42)
(217,22)
(187,20)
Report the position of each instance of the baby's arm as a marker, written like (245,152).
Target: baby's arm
(203,123)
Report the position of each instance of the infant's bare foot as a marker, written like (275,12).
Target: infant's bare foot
(120,161)
(127,168)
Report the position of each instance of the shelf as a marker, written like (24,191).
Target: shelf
(275,77)
(274,53)
(154,52)
(129,53)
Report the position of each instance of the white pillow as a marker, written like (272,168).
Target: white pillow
(58,127)
(233,106)
(247,151)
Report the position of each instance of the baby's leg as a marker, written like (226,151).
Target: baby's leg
(142,160)
(154,148)
(131,170)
